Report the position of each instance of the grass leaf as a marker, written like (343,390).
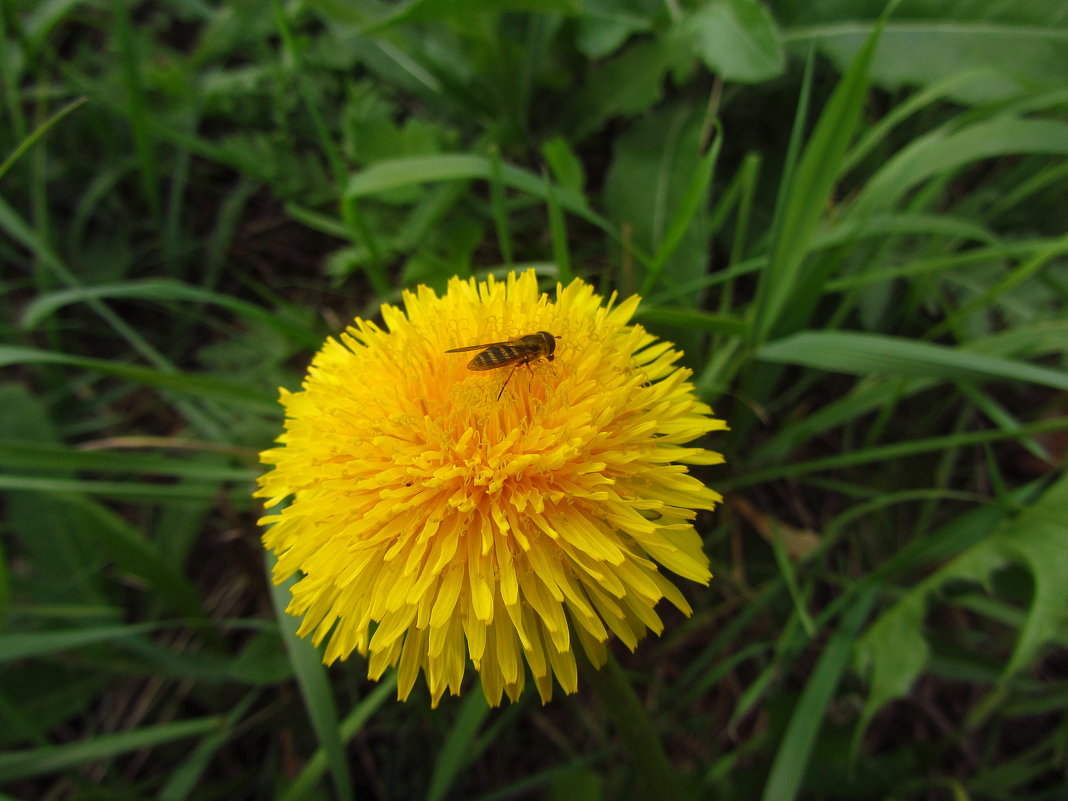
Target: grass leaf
(29,762)
(314,689)
(792,755)
(185,383)
(873,354)
(457,751)
(803,198)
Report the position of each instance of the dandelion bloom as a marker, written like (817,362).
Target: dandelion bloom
(432,521)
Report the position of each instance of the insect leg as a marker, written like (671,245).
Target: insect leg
(509,378)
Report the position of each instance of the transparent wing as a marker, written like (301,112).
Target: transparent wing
(480,347)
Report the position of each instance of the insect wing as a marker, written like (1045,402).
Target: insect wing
(477,347)
(501,354)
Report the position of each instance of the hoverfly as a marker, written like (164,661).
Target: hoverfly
(523,350)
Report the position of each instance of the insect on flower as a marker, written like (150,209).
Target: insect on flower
(512,540)
(523,350)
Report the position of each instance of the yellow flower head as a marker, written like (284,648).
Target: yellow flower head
(432,520)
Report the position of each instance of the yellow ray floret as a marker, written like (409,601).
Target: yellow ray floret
(433,522)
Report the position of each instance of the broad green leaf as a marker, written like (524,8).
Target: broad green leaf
(1022,46)
(894,647)
(736,39)
(605,25)
(1037,539)
(629,84)
(873,354)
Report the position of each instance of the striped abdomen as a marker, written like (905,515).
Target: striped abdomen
(502,355)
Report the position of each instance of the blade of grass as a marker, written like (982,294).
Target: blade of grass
(164,289)
(17,228)
(803,198)
(132,553)
(314,686)
(38,132)
(235,395)
(136,107)
(499,207)
(223,232)
(789,577)
(928,96)
(120,490)
(9,76)
(558,233)
(936,264)
(792,754)
(5,586)
(456,754)
(183,781)
(897,450)
(1053,175)
(396,173)
(304,784)
(939,153)
(48,456)
(696,193)
(747,182)
(359,230)
(692,319)
(1004,419)
(51,759)
(1012,278)
(19,645)
(867,354)
(633,726)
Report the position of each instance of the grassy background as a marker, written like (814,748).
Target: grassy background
(862,249)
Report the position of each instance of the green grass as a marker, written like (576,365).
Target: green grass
(869,282)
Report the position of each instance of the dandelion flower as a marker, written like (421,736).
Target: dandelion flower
(432,522)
